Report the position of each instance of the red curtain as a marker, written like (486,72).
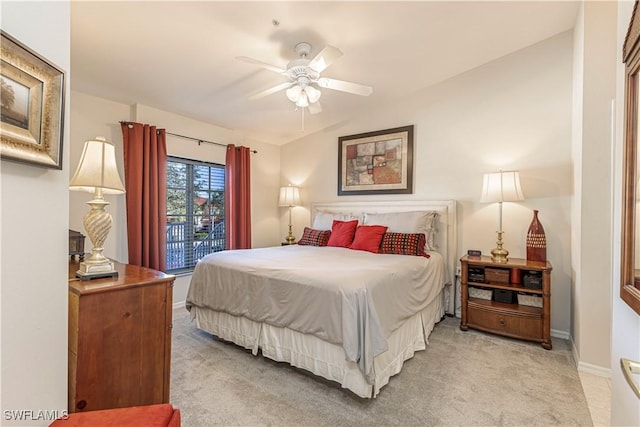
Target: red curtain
(237,197)
(145,172)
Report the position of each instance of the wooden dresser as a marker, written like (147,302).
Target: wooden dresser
(119,339)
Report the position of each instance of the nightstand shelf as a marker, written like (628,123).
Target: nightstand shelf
(508,287)
(507,317)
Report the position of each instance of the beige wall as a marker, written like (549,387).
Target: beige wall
(94,116)
(34,245)
(512,113)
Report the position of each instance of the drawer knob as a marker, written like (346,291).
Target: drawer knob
(501,322)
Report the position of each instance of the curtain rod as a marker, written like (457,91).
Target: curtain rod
(200,141)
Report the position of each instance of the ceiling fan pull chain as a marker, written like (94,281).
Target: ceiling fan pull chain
(302,118)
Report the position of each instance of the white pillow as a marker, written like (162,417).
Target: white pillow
(324,220)
(407,222)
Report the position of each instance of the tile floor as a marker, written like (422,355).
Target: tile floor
(597,390)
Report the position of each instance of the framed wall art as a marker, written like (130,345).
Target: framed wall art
(32,101)
(379,162)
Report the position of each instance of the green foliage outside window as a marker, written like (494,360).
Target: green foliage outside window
(195,211)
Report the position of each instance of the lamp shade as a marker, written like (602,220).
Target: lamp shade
(293,93)
(312,93)
(289,196)
(97,168)
(303,96)
(302,100)
(503,186)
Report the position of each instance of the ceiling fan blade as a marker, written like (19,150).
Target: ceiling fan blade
(343,86)
(271,90)
(315,108)
(261,64)
(325,58)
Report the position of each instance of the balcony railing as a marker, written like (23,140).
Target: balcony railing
(184,252)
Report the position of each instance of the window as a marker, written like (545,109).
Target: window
(195,212)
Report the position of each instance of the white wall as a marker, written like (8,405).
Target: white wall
(34,244)
(625,331)
(594,85)
(94,116)
(512,113)
(576,154)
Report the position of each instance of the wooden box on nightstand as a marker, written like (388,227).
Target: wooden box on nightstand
(515,310)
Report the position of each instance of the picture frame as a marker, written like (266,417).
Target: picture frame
(379,162)
(32,106)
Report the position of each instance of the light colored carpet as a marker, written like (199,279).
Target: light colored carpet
(462,378)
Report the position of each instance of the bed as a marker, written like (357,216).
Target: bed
(350,316)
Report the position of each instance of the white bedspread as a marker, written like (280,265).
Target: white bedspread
(351,298)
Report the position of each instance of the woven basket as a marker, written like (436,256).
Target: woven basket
(530,300)
(480,293)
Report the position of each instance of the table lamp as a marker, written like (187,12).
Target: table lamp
(290,197)
(503,186)
(97,173)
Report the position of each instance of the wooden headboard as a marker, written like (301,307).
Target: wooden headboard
(446,228)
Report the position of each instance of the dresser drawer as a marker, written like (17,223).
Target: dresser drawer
(517,324)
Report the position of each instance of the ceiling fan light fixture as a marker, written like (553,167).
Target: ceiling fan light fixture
(302,72)
(302,100)
(293,93)
(313,94)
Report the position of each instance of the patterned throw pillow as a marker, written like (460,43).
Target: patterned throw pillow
(408,222)
(312,237)
(403,244)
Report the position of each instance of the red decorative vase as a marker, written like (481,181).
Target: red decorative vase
(536,240)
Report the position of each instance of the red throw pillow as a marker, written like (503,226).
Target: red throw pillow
(368,238)
(312,237)
(403,244)
(342,233)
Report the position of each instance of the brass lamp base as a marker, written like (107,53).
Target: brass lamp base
(499,254)
(291,239)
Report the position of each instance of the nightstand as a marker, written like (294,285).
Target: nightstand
(512,299)
(119,339)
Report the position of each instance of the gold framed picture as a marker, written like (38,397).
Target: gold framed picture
(379,162)
(32,114)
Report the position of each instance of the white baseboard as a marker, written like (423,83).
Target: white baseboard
(560,334)
(588,367)
(178,305)
(574,351)
(594,369)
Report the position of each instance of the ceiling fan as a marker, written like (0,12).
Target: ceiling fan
(304,76)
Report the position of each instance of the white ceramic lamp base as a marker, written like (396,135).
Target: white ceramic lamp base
(97,222)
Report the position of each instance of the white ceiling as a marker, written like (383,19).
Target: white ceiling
(180,56)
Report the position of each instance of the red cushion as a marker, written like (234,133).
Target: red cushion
(368,238)
(161,415)
(342,233)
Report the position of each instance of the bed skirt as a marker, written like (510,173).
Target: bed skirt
(320,357)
